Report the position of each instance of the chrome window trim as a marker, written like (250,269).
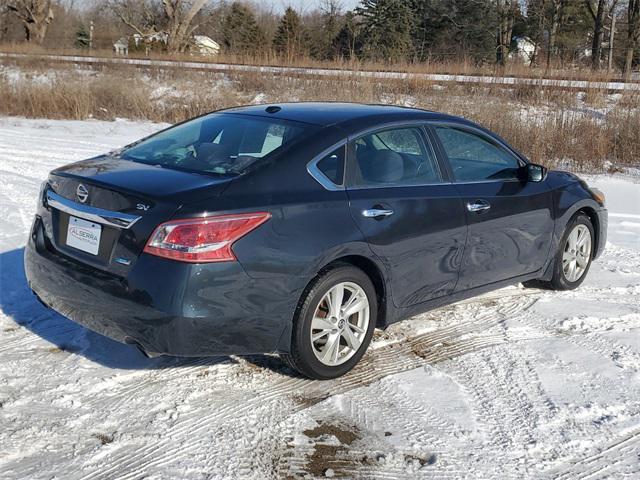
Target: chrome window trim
(447,182)
(387,126)
(376,187)
(313,170)
(327,184)
(87,212)
(493,180)
(321,178)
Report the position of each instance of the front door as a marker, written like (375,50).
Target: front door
(409,213)
(509,218)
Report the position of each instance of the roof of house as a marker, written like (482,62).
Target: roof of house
(204,41)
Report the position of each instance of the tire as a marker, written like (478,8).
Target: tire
(334,344)
(561,280)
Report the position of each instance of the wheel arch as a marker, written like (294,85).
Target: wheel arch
(375,274)
(595,222)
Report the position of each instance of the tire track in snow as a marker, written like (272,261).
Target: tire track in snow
(610,461)
(511,405)
(432,348)
(379,363)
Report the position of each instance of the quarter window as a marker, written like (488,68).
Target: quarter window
(394,157)
(332,166)
(475,158)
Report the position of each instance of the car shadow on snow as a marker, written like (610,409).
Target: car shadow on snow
(21,305)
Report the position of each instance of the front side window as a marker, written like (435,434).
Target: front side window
(474,158)
(394,157)
(224,144)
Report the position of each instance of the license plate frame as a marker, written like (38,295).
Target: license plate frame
(84,235)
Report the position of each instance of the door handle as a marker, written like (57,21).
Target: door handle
(478,206)
(377,212)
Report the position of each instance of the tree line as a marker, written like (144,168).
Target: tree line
(568,32)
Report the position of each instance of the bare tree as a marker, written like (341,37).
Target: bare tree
(557,7)
(598,10)
(536,12)
(633,35)
(141,16)
(35,15)
(507,11)
(180,15)
(173,17)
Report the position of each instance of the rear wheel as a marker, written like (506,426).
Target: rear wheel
(574,254)
(333,324)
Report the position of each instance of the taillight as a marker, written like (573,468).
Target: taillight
(201,240)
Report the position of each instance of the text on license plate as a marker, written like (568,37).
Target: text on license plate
(84,235)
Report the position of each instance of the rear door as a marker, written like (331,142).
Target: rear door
(510,219)
(409,212)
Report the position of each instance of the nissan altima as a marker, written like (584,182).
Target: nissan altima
(299,228)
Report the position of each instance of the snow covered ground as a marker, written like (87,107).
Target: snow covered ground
(520,383)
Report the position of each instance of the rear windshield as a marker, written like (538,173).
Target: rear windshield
(224,144)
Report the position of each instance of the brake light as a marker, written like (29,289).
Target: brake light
(202,240)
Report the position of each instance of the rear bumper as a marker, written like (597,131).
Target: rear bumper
(165,307)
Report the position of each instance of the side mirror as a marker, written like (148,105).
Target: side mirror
(535,173)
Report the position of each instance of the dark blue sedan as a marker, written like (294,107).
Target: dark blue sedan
(300,228)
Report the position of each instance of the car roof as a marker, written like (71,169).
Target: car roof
(326,114)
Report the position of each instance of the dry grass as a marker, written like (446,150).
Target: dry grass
(590,131)
(456,66)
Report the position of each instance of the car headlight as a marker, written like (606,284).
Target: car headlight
(598,195)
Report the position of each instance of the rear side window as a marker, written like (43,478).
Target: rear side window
(224,144)
(475,158)
(332,166)
(393,157)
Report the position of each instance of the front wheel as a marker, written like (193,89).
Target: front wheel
(574,255)
(333,324)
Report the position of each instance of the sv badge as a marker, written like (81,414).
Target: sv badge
(142,206)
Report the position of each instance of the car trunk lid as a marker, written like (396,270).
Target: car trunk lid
(102,211)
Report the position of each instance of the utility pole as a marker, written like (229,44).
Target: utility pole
(91,35)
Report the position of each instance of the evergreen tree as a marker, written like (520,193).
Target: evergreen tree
(454,29)
(241,33)
(575,30)
(560,28)
(82,37)
(289,39)
(323,35)
(346,44)
(386,29)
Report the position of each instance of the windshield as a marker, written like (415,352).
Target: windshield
(224,144)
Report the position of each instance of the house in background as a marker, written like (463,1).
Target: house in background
(203,45)
(198,45)
(157,38)
(121,46)
(525,49)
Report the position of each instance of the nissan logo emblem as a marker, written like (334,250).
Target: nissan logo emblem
(82,193)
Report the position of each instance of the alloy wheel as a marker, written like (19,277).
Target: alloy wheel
(577,253)
(340,323)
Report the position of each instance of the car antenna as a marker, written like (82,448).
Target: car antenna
(273,109)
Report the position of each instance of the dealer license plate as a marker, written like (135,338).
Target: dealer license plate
(84,235)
